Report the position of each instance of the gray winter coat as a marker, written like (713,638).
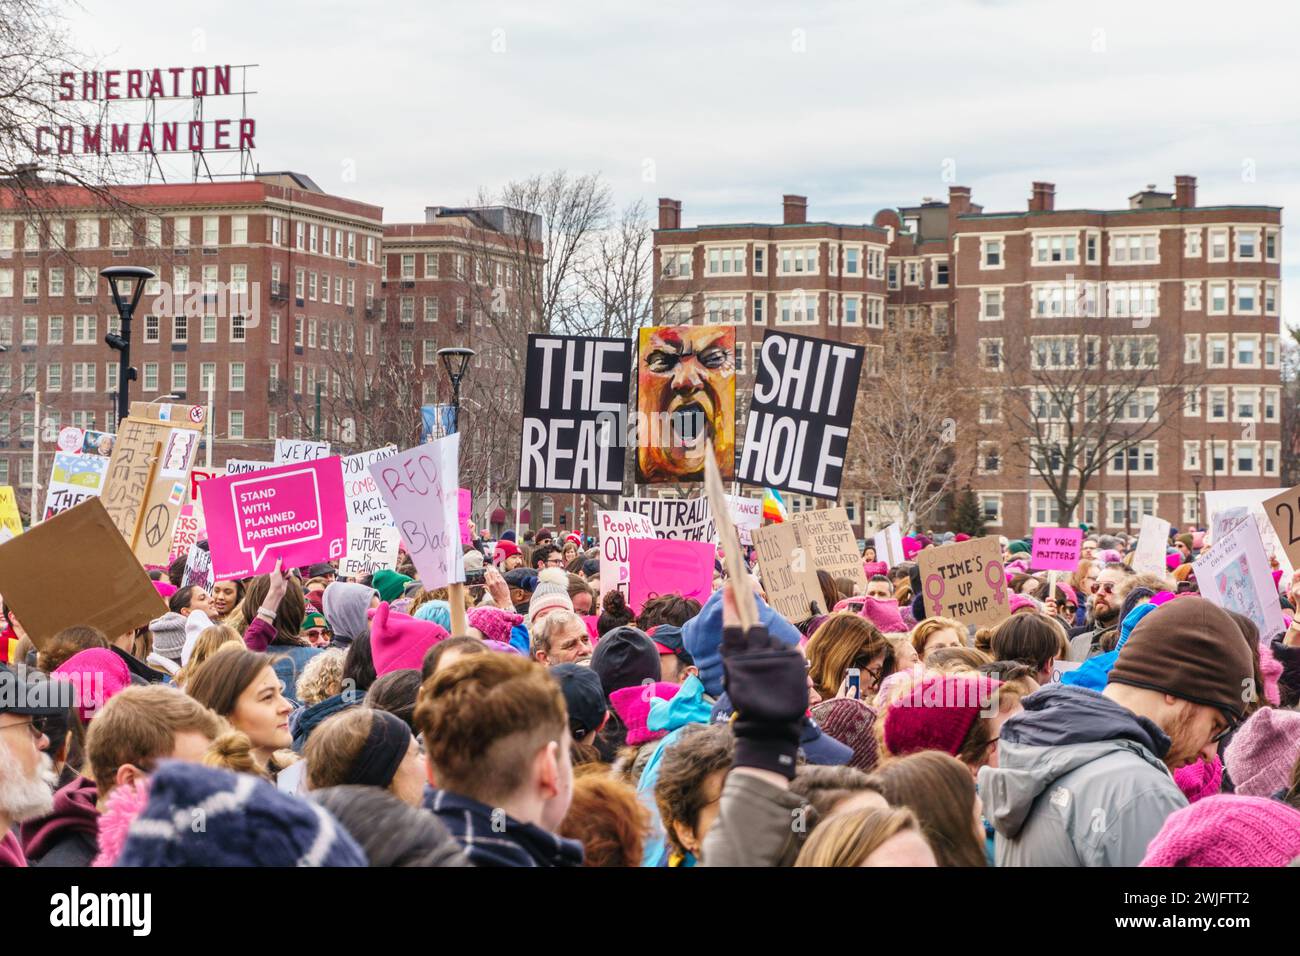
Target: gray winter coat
(1079,782)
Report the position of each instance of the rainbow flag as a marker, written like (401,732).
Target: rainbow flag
(773,506)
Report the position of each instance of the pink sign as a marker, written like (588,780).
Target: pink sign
(293,512)
(187,533)
(1056,549)
(465,504)
(420,486)
(669,566)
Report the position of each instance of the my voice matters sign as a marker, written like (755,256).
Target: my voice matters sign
(799,419)
(575,412)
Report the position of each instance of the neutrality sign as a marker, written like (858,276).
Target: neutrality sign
(575,400)
(800,415)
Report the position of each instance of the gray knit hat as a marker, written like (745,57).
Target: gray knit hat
(168,635)
(552,591)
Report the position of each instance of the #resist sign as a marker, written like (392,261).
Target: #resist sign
(575,407)
(799,419)
(293,512)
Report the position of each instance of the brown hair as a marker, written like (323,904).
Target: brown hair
(232,750)
(332,749)
(1079,573)
(138,726)
(847,839)
(844,640)
(484,718)
(219,681)
(679,792)
(321,677)
(67,643)
(288,618)
(606,818)
(953,660)
(978,742)
(1029,637)
(825,786)
(465,644)
(667,609)
(941,792)
(927,628)
(210,640)
(984,639)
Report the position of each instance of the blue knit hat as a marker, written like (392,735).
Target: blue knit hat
(702,636)
(1094,673)
(203,816)
(439,612)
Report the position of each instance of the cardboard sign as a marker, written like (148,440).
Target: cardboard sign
(1234,574)
(80,545)
(11,522)
(889,544)
(289,450)
(685,519)
(965,581)
(365,503)
(789,584)
(1283,513)
(797,435)
(615,529)
(292,512)
(190,530)
(575,413)
(1224,509)
(243,466)
(1056,549)
(746,515)
(664,566)
(148,476)
(371,548)
(827,536)
(738,577)
(73,478)
(420,487)
(1153,544)
(464,511)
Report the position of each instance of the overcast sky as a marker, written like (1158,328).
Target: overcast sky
(725,106)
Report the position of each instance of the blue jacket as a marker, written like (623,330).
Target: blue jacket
(491,838)
(290,661)
(702,636)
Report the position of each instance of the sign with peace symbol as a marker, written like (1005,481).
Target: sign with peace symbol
(157,522)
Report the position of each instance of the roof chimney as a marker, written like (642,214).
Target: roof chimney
(1185,192)
(796,210)
(1043,198)
(670,214)
(958,200)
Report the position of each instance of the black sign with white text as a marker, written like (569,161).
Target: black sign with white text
(798,430)
(575,413)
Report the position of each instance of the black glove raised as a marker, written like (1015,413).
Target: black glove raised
(767,682)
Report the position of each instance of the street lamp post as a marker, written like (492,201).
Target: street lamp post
(1196,483)
(1128,500)
(456,361)
(121,341)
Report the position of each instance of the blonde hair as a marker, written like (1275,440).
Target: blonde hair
(927,628)
(210,641)
(232,750)
(847,839)
(322,677)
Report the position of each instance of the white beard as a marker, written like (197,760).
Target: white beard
(22,797)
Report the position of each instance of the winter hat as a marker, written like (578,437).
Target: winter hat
(1184,572)
(315,599)
(439,612)
(1135,598)
(195,624)
(584,697)
(883,614)
(502,647)
(552,591)
(399,641)
(493,622)
(1019,547)
(389,584)
(1020,602)
(309,620)
(853,724)
(1186,538)
(1108,556)
(668,640)
(1071,596)
(872,568)
(936,713)
(575,538)
(1263,752)
(1200,780)
(910,548)
(345,609)
(961,536)
(632,704)
(625,657)
(1191,649)
(247,822)
(1198,540)
(1228,830)
(505,548)
(1173,560)
(702,636)
(168,635)
(165,588)
(124,804)
(508,535)
(1270,668)
(96,674)
(472,560)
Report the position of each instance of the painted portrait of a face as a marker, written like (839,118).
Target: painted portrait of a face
(686,392)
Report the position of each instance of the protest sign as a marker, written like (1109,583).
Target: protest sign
(575,414)
(148,474)
(888,543)
(80,545)
(739,581)
(965,581)
(365,503)
(292,512)
(686,397)
(189,531)
(1234,573)
(198,569)
(1282,511)
(70,439)
(420,488)
(73,478)
(1225,509)
(371,548)
(1056,549)
(827,537)
(242,466)
(688,519)
(290,450)
(665,566)
(464,509)
(98,443)
(11,522)
(790,555)
(1153,543)
(200,475)
(1061,667)
(615,529)
(746,515)
(799,418)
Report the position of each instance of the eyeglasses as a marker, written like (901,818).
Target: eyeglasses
(1223,733)
(554,562)
(1108,587)
(36,726)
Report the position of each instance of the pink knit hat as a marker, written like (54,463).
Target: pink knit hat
(493,622)
(1172,561)
(1199,780)
(1270,668)
(883,614)
(165,588)
(870,568)
(937,713)
(96,674)
(1020,602)
(853,724)
(1263,752)
(1228,830)
(910,548)
(632,704)
(399,641)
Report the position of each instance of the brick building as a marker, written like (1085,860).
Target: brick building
(1193,289)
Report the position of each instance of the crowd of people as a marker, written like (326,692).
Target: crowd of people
(1113,718)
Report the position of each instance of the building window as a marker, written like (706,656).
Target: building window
(238,331)
(211,230)
(728,261)
(54,378)
(991,253)
(798,310)
(990,458)
(1192,349)
(799,260)
(180,328)
(150,377)
(180,377)
(1247,351)
(990,305)
(83,329)
(1218,245)
(991,354)
(1247,243)
(1131,248)
(852,257)
(236,376)
(1191,455)
(239,230)
(1245,457)
(1192,243)
(1247,298)
(1218,404)
(209,333)
(893,275)
(1192,296)
(1134,351)
(236,424)
(1056,250)
(991,505)
(1092,245)
(760,309)
(1054,351)
(941,273)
